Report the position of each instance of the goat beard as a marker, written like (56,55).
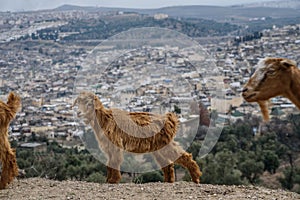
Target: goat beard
(264,110)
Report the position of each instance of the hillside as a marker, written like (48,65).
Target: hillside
(198,11)
(36,188)
(276,4)
(87,29)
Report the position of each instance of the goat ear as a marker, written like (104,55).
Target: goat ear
(95,98)
(288,63)
(96,102)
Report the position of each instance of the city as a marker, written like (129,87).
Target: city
(49,56)
(43,71)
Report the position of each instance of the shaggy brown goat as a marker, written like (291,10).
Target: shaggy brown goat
(7,154)
(273,77)
(137,132)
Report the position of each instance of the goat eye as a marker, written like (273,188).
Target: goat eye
(271,72)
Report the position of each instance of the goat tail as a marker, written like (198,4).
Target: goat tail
(14,102)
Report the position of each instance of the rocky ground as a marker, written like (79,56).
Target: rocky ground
(36,188)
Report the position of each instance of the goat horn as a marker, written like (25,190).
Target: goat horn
(74,103)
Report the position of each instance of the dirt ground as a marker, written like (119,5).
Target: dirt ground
(36,188)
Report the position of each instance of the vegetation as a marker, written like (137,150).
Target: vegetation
(96,28)
(107,26)
(103,29)
(60,164)
(155,176)
(269,23)
(239,157)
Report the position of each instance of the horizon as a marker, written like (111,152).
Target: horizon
(34,5)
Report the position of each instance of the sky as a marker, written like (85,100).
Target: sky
(22,5)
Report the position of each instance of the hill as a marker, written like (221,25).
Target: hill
(276,4)
(206,12)
(36,188)
(107,26)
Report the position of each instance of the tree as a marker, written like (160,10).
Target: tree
(291,176)
(72,172)
(251,170)
(271,161)
(295,120)
(221,168)
(73,160)
(52,167)
(194,148)
(287,181)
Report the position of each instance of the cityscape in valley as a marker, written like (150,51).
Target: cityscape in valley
(48,56)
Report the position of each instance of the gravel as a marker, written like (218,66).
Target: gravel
(41,189)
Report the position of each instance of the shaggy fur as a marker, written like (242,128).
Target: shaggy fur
(137,132)
(273,77)
(7,154)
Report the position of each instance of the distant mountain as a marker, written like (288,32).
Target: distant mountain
(221,13)
(68,7)
(295,4)
(206,12)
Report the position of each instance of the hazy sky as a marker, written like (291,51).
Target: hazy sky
(18,5)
